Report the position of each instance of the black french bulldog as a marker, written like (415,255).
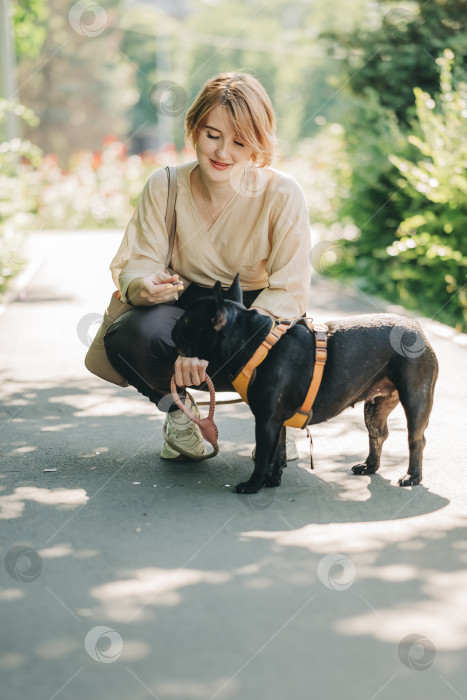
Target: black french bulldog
(367,361)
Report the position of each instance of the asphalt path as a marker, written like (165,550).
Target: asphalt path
(124,576)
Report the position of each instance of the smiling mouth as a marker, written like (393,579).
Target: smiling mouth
(220,166)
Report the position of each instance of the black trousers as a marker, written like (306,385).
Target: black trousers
(139,346)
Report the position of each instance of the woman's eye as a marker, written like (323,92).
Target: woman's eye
(237,143)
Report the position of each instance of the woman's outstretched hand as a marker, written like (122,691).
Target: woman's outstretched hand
(190,371)
(155,288)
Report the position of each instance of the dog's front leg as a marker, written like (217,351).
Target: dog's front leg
(267,437)
(274,475)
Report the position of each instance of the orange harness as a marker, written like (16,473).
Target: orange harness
(243,378)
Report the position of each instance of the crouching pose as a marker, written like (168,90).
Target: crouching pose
(234,213)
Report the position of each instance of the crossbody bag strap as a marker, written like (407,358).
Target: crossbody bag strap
(170,216)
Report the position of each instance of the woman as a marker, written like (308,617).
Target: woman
(234,214)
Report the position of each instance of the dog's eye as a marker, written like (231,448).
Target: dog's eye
(185,321)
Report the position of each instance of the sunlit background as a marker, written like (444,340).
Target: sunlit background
(372,120)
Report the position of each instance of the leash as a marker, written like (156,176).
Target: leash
(207,426)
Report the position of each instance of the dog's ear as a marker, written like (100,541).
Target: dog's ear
(220,315)
(218,294)
(235,292)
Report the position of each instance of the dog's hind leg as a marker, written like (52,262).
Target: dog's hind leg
(376,414)
(420,376)
(417,409)
(274,473)
(267,438)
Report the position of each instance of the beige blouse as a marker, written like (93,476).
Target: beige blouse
(263,233)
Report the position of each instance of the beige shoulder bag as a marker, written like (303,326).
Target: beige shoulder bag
(96,359)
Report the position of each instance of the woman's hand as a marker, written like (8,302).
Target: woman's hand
(190,371)
(155,288)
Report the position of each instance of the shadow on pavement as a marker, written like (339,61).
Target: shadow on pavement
(155,580)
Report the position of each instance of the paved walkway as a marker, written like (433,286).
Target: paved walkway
(150,580)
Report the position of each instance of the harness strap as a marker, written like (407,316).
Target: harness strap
(321,355)
(260,353)
(243,378)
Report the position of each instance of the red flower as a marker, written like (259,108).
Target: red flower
(97,159)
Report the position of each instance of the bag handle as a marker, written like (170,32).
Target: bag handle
(170,215)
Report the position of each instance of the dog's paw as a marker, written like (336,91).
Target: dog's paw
(408,480)
(273,480)
(362,469)
(247,487)
(359,469)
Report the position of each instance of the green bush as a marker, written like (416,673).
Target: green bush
(376,201)
(431,244)
(410,204)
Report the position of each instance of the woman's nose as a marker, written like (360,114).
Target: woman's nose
(221,148)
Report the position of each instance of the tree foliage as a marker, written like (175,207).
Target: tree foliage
(407,160)
(401,52)
(80,85)
(431,242)
(30,24)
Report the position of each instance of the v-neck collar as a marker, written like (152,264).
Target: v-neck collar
(193,203)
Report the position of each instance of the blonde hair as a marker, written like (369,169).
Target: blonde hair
(250,109)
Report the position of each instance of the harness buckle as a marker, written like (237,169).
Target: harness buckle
(321,355)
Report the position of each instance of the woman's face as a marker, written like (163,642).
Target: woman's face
(218,147)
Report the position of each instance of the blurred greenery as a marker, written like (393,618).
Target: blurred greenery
(401,52)
(16,201)
(81,84)
(431,243)
(365,122)
(30,19)
(385,132)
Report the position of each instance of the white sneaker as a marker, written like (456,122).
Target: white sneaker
(291,450)
(182,436)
